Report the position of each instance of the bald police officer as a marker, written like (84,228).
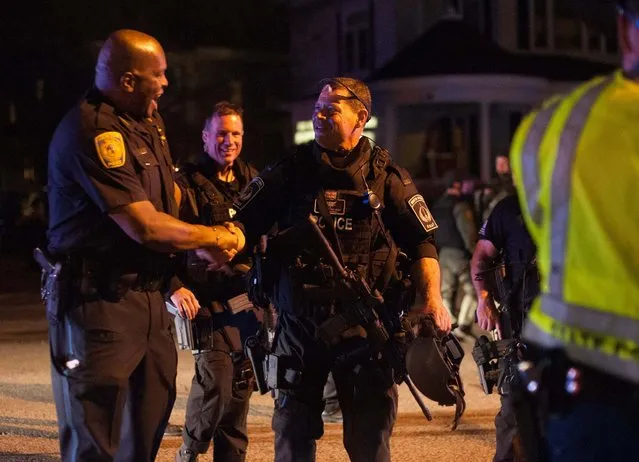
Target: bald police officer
(112,228)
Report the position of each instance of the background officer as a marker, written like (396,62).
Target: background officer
(219,399)
(339,178)
(112,226)
(575,167)
(504,239)
(456,238)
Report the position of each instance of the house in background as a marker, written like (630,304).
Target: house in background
(451,80)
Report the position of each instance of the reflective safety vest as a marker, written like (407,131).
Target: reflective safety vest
(575,163)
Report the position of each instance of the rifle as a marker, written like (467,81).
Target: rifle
(499,365)
(366,306)
(496,360)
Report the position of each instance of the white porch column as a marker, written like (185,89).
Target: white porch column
(485,161)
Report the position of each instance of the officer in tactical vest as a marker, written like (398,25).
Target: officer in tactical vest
(362,201)
(456,239)
(504,238)
(215,297)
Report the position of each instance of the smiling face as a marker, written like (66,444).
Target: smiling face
(338,122)
(223,139)
(150,83)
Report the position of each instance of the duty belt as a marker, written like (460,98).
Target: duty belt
(568,383)
(113,279)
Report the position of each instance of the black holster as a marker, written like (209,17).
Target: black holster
(56,292)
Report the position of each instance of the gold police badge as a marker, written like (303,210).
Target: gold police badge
(110,148)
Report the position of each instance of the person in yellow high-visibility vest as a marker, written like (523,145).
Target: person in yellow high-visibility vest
(575,163)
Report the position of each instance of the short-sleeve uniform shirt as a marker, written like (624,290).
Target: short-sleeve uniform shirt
(506,230)
(101,159)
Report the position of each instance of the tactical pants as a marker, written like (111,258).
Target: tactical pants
(506,431)
(366,395)
(455,273)
(216,410)
(116,403)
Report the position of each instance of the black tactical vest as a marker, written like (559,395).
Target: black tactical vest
(209,203)
(350,194)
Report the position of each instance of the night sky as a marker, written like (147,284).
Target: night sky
(47,39)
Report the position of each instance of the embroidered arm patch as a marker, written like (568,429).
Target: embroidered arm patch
(249,193)
(110,148)
(420,209)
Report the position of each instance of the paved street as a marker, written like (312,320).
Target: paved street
(27,412)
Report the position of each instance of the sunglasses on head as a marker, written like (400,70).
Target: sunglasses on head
(353,94)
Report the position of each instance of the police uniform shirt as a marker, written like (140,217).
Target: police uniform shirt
(506,230)
(285,194)
(101,159)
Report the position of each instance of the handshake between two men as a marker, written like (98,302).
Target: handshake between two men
(229,241)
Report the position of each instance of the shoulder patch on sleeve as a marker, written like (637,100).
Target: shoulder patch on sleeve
(110,149)
(249,193)
(420,209)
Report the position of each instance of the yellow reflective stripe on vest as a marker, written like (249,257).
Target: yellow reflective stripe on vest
(586,318)
(608,354)
(562,184)
(530,159)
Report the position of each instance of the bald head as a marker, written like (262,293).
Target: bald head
(130,70)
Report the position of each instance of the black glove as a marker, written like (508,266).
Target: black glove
(420,324)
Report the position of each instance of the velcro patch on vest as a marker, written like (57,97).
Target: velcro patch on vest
(420,209)
(335,206)
(250,192)
(110,149)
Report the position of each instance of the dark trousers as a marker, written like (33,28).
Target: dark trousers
(365,390)
(216,409)
(116,403)
(506,431)
(594,432)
